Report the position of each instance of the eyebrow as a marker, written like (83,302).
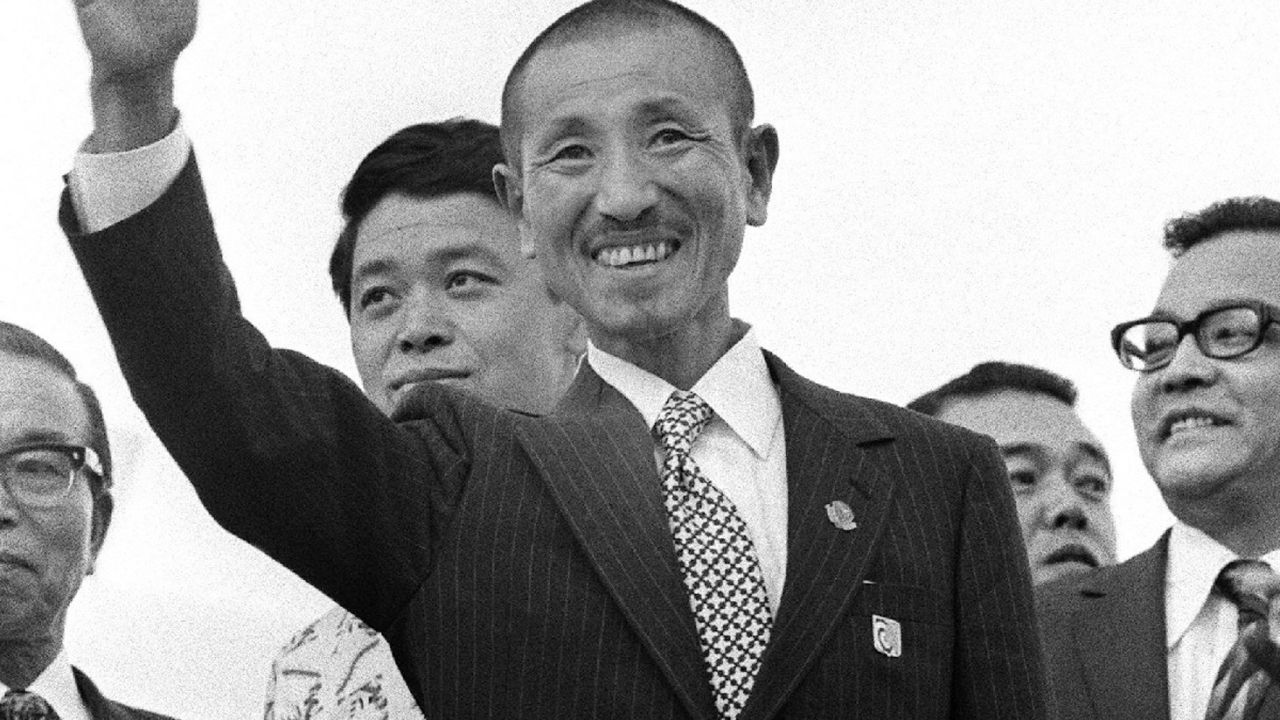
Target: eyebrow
(1024,448)
(386,264)
(666,107)
(561,128)
(39,436)
(1021,448)
(1164,314)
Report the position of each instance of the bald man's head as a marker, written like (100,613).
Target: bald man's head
(601,20)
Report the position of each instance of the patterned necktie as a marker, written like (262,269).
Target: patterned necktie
(1245,678)
(721,571)
(22,705)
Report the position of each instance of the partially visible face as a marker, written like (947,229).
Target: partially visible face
(1209,430)
(1059,473)
(44,552)
(440,292)
(634,189)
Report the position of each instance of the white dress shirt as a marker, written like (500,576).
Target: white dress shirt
(109,187)
(741,450)
(57,686)
(1200,624)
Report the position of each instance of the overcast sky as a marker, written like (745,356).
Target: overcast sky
(956,184)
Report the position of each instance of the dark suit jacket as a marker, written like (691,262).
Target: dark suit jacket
(101,708)
(522,566)
(1104,638)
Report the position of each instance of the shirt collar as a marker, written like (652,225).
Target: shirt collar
(1195,559)
(737,387)
(57,685)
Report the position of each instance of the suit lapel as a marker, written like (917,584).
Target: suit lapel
(596,457)
(825,565)
(1119,632)
(99,708)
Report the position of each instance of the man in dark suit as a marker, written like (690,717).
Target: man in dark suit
(430,294)
(1166,634)
(1058,470)
(808,554)
(55,469)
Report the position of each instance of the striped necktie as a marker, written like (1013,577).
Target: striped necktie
(721,570)
(1247,675)
(23,705)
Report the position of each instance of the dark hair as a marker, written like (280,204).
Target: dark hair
(1239,213)
(599,17)
(991,377)
(23,343)
(421,161)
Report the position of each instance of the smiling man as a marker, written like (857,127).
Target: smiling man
(696,531)
(55,507)
(1059,473)
(1185,622)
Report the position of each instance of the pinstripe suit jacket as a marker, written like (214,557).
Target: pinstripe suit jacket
(522,567)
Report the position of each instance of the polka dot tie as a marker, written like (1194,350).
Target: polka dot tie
(22,705)
(1245,678)
(721,571)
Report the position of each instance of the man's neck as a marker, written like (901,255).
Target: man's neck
(681,357)
(22,661)
(1249,529)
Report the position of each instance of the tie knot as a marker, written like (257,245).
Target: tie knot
(681,419)
(23,705)
(1249,584)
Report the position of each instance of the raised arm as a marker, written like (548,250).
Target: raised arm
(133,47)
(284,452)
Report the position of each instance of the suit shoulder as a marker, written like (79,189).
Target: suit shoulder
(135,713)
(1062,596)
(100,706)
(890,420)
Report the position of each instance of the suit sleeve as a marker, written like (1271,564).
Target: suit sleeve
(1000,669)
(285,453)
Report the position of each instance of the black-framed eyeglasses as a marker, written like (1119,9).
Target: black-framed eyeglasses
(42,475)
(1223,332)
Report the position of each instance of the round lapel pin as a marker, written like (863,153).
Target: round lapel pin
(841,515)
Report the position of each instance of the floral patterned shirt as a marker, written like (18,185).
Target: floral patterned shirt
(338,668)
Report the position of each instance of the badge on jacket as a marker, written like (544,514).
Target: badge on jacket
(840,515)
(886,635)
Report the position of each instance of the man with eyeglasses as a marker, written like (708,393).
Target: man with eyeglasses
(1181,632)
(55,470)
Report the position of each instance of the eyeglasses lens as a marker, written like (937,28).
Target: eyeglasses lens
(39,476)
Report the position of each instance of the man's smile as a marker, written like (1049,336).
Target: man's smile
(638,254)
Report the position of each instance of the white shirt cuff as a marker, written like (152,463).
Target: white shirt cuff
(109,187)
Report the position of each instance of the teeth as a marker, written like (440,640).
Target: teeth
(620,256)
(1191,423)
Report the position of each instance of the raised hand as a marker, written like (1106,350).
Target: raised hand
(133,46)
(131,38)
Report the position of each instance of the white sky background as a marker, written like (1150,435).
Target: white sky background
(955,185)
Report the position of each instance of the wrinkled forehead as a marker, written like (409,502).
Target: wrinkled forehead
(38,403)
(1015,418)
(1236,265)
(672,58)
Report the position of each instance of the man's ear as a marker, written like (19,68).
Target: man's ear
(506,184)
(103,505)
(762,158)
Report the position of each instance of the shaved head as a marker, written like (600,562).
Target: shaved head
(603,19)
